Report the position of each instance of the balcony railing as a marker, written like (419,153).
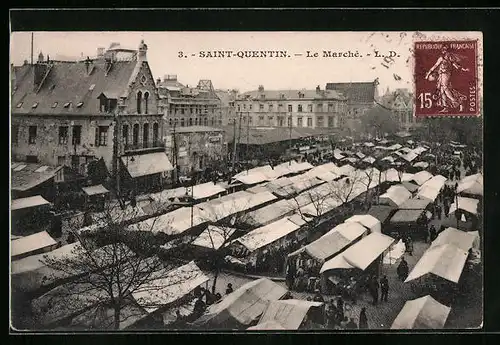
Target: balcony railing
(148,145)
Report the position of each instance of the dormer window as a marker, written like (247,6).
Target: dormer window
(34,105)
(19,105)
(262,96)
(91,87)
(54,105)
(66,105)
(79,105)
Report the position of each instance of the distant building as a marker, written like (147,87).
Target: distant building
(194,148)
(360,96)
(291,108)
(187,106)
(228,109)
(81,112)
(400,102)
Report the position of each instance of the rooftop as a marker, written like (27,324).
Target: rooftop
(363,92)
(292,94)
(25,176)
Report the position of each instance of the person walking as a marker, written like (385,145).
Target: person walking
(409,243)
(340,307)
(373,289)
(384,288)
(363,320)
(402,269)
(229,288)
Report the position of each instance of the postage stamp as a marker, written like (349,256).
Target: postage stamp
(446,78)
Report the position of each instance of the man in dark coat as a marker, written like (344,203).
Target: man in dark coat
(402,269)
(384,288)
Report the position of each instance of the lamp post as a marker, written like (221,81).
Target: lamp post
(190,196)
(290,138)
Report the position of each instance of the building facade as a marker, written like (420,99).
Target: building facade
(196,148)
(291,108)
(76,113)
(184,106)
(360,96)
(400,102)
(228,109)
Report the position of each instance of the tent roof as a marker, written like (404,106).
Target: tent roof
(95,190)
(467,204)
(213,237)
(410,186)
(243,305)
(31,243)
(421,177)
(422,313)
(288,313)
(32,201)
(415,204)
(205,190)
(446,261)
(461,239)
(406,216)
(381,212)
(267,234)
(436,182)
(268,325)
(367,221)
(396,194)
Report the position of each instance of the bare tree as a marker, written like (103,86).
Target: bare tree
(368,178)
(111,263)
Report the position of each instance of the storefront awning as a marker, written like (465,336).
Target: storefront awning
(147,164)
(95,190)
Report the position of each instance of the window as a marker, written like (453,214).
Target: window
(101,136)
(290,108)
(244,107)
(170,122)
(79,105)
(196,121)
(270,107)
(250,106)
(310,108)
(330,107)
(309,122)
(15,134)
(139,102)
(331,121)
(270,119)
(145,134)
(182,122)
(289,122)
(125,134)
(67,105)
(32,134)
(319,107)
(91,87)
(261,120)
(190,121)
(19,105)
(54,104)
(77,135)
(281,121)
(146,100)
(261,107)
(31,159)
(212,121)
(205,121)
(320,121)
(182,111)
(262,96)
(299,108)
(34,105)
(239,108)
(155,132)
(176,122)
(61,160)
(299,122)
(135,134)
(250,120)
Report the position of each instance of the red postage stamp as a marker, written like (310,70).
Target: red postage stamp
(446,78)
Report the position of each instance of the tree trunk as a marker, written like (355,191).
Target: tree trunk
(117,316)
(215,279)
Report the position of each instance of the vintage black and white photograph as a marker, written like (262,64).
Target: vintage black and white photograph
(246,181)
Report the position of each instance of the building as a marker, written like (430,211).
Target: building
(77,113)
(361,96)
(184,106)
(291,108)
(400,102)
(228,108)
(196,148)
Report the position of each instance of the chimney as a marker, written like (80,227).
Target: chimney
(100,52)
(87,65)
(25,62)
(39,71)
(158,81)
(143,49)
(261,88)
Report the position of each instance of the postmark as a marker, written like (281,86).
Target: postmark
(446,78)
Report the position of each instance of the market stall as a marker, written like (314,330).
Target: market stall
(348,272)
(40,242)
(29,214)
(292,314)
(95,197)
(368,221)
(406,222)
(422,313)
(395,196)
(242,307)
(471,185)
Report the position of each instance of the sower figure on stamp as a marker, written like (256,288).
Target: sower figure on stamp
(448,96)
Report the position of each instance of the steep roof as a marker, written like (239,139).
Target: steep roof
(69,82)
(363,92)
(293,94)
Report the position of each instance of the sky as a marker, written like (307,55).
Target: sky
(245,74)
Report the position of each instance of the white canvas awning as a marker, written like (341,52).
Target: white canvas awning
(147,164)
(368,221)
(32,201)
(466,204)
(421,177)
(446,261)
(205,190)
(472,184)
(31,243)
(95,190)
(267,234)
(458,238)
(422,313)
(290,313)
(395,195)
(213,237)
